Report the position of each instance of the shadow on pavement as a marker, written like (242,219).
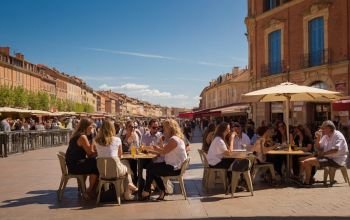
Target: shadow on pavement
(70,200)
(271,217)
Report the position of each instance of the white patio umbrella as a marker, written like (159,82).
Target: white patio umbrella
(288,92)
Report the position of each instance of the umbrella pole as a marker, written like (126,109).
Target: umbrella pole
(287,121)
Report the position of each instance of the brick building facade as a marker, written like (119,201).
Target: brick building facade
(306,42)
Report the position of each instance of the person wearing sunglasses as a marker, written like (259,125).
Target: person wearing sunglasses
(129,139)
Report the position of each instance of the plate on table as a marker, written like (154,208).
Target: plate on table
(239,150)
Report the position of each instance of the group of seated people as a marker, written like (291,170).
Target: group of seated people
(169,146)
(328,149)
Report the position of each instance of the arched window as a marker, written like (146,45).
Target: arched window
(320,85)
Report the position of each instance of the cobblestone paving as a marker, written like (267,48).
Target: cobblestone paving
(29,182)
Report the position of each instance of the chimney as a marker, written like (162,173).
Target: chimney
(5,51)
(19,56)
(235,70)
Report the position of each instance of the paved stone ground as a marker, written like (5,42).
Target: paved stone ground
(29,182)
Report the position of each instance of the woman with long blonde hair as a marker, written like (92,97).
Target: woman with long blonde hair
(174,151)
(110,146)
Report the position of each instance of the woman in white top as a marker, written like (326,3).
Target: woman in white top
(174,155)
(108,145)
(218,148)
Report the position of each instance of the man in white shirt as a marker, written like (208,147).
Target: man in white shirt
(238,140)
(332,148)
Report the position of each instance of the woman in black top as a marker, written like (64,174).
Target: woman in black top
(305,143)
(80,155)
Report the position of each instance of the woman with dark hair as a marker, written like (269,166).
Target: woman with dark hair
(263,144)
(218,148)
(281,134)
(129,139)
(80,155)
(305,143)
(208,137)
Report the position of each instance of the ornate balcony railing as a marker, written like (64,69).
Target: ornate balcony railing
(272,68)
(316,58)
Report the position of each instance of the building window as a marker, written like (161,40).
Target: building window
(319,85)
(316,41)
(270,4)
(274,44)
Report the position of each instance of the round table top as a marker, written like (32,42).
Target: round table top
(139,156)
(238,154)
(288,152)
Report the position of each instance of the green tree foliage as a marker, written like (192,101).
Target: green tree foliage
(33,100)
(20,97)
(60,105)
(6,96)
(43,99)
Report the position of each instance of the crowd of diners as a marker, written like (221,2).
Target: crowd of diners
(169,141)
(107,138)
(327,146)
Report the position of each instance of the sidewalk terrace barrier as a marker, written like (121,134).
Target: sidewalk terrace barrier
(21,141)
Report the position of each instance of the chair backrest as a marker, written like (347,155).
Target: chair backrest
(252,160)
(185,165)
(107,168)
(200,151)
(62,160)
(205,160)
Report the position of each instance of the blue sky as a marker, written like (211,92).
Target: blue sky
(161,51)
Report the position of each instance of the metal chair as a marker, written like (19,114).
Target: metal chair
(236,175)
(180,177)
(257,167)
(66,176)
(208,171)
(330,171)
(107,169)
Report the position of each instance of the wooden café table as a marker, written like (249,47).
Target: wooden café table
(139,157)
(238,154)
(289,153)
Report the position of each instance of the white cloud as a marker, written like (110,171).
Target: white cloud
(155,96)
(212,64)
(136,54)
(239,59)
(133,86)
(197,98)
(154,56)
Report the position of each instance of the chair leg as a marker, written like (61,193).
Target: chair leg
(325,175)
(345,174)
(224,179)
(272,171)
(208,180)
(117,186)
(332,172)
(234,182)
(182,186)
(204,179)
(62,189)
(248,180)
(100,184)
(256,171)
